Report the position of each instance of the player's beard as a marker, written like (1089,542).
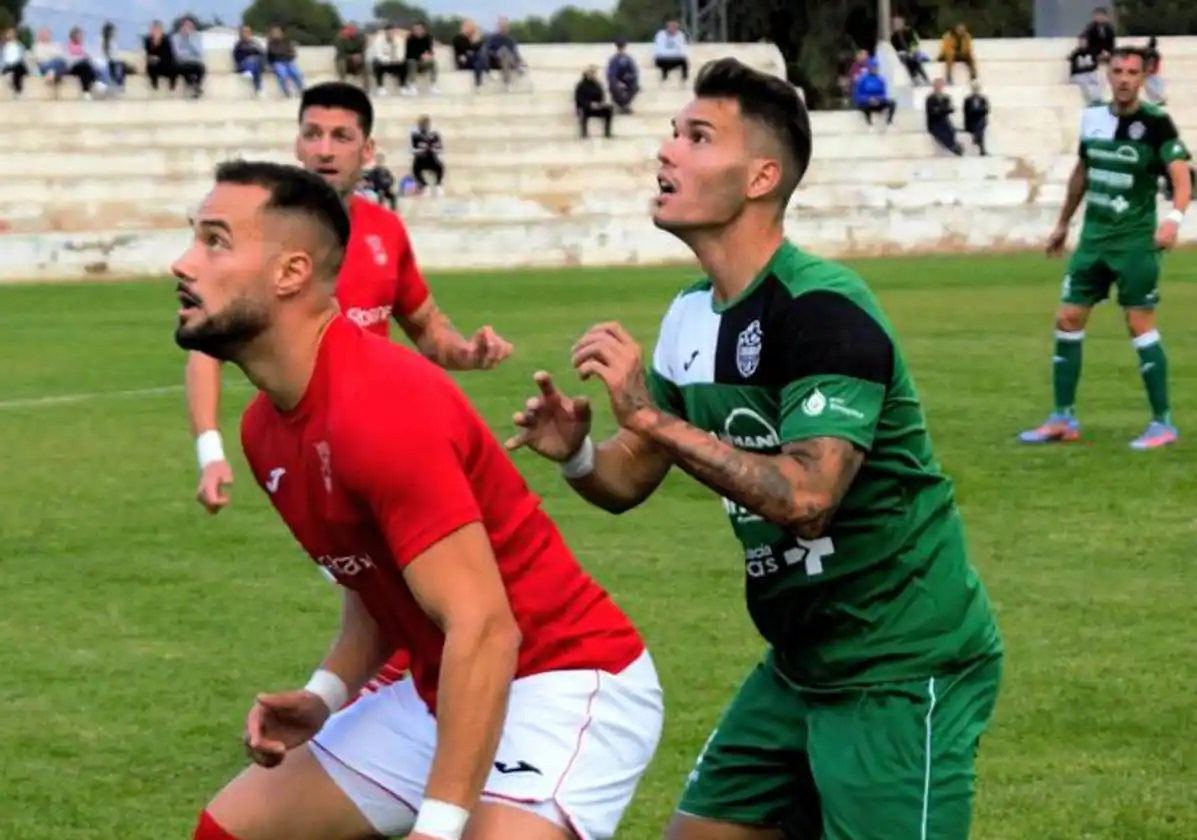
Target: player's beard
(224,335)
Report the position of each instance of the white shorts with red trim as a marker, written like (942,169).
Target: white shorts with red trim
(574,747)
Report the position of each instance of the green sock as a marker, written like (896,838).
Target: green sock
(1153,366)
(1066,370)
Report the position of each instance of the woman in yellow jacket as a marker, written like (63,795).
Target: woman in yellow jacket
(957,46)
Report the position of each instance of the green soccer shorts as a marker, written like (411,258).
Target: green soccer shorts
(1092,272)
(872,763)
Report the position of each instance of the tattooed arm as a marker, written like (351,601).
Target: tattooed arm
(798,490)
(835,363)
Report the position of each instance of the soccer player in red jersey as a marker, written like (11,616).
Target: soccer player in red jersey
(533,708)
(379,280)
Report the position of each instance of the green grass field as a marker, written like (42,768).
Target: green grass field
(135,628)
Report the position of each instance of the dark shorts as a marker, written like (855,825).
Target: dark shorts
(1092,273)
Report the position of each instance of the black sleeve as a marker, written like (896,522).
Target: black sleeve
(829,335)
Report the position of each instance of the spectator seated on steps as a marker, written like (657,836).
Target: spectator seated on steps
(350,50)
(871,95)
(623,77)
(249,59)
(188,46)
(957,48)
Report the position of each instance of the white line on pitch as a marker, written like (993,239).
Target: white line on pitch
(68,399)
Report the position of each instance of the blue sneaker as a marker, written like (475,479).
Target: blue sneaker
(1155,436)
(1059,428)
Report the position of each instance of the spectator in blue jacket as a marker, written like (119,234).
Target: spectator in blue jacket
(871,95)
(623,77)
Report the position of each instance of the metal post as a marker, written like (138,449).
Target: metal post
(885,15)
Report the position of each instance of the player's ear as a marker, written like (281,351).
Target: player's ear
(296,269)
(764,177)
(368,152)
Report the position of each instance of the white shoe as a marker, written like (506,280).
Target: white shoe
(382,92)
(438,191)
(434,90)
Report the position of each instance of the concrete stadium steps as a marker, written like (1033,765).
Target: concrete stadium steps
(573,240)
(139,203)
(1058,97)
(104,188)
(272,126)
(229,86)
(486,105)
(463,166)
(558,58)
(1046,49)
(550,69)
(1038,72)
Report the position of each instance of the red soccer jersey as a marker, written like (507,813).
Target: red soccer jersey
(379,276)
(384,457)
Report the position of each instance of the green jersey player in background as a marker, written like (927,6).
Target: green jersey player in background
(778,383)
(1125,147)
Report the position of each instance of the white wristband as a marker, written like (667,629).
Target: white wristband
(330,688)
(1175,215)
(209,449)
(442,820)
(581,463)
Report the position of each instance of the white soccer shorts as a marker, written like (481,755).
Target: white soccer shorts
(574,746)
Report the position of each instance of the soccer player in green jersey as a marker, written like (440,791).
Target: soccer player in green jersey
(1125,146)
(777,382)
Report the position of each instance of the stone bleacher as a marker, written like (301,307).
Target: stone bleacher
(103,188)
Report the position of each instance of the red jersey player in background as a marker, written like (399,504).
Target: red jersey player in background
(379,279)
(547,706)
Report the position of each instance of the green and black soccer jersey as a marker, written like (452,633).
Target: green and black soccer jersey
(1124,157)
(888,593)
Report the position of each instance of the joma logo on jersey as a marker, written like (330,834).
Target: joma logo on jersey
(348,565)
(744,428)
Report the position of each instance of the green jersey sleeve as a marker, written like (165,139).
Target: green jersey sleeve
(838,363)
(1168,144)
(665,393)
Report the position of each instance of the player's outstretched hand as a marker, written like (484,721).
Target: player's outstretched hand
(608,351)
(214,483)
(281,722)
(1056,241)
(551,424)
(487,349)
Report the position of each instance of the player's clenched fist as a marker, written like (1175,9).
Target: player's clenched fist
(281,722)
(609,352)
(486,350)
(551,424)
(214,483)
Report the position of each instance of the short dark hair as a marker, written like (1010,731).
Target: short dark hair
(1130,52)
(768,100)
(343,96)
(297,191)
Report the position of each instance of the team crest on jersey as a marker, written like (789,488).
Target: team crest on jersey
(380,253)
(325,464)
(748,350)
(1136,131)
